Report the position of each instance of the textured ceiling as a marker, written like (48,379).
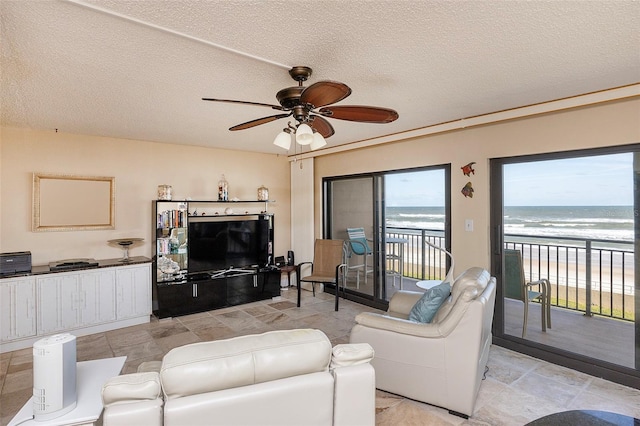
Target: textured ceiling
(138,69)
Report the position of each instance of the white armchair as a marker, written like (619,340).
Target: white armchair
(442,362)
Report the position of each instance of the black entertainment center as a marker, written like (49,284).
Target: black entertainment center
(206,260)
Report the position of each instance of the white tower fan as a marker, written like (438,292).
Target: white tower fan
(54,376)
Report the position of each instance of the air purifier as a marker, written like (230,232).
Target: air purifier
(54,376)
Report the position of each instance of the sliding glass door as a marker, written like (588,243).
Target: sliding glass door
(385,218)
(568,223)
(351,207)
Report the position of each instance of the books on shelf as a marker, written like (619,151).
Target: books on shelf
(172,219)
(170,246)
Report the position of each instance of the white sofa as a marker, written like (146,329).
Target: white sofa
(441,363)
(288,377)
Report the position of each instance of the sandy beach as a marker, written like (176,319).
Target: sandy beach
(612,287)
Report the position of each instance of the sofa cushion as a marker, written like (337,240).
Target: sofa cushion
(131,387)
(426,307)
(346,355)
(245,360)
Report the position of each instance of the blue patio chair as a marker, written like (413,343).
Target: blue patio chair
(359,246)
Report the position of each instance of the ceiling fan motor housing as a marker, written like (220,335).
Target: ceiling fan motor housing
(290,97)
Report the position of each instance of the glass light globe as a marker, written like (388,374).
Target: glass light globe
(304,134)
(283,140)
(318,141)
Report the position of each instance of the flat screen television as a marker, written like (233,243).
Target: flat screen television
(216,244)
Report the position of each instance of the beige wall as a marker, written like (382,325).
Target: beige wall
(614,123)
(139,167)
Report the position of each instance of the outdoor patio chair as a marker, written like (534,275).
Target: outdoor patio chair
(326,268)
(516,287)
(359,246)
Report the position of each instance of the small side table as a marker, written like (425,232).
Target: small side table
(397,256)
(90,377)
(427,284)
(288,269)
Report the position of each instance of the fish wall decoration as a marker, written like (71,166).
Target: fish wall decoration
(468,170)
(467,190)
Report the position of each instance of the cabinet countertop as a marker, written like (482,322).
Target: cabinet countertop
(215,201)
(102,263)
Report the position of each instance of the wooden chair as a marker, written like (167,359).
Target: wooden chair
(328,262)
(516,287)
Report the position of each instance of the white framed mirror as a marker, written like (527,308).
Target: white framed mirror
(73,203)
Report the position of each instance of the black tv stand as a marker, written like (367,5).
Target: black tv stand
(231,271)
(206,291)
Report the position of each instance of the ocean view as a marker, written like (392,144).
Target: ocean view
(613,223)
(416,217)
(610,226)
(594,222)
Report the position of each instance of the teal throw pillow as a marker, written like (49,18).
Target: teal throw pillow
(426,307)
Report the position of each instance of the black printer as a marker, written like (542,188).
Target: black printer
(18,262)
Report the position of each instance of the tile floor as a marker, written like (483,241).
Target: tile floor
(517,388)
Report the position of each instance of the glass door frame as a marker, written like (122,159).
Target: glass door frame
(378,299)
(616,373)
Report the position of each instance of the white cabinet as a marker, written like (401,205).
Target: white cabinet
(133,290)
(56,302)
(99,296)
(18,313)
(81,302)
(70,300)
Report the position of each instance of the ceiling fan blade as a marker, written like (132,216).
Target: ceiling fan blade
(324,93)
(278,107)
(322,126)
(360,113)
(258,122)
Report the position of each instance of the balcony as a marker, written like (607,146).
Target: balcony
(592,289)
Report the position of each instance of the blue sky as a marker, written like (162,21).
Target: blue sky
(605,180)
(424,188)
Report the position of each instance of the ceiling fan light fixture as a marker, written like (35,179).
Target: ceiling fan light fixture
(304,134)
(318,141)
(283,140)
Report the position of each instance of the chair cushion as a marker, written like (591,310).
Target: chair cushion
(426,307)
(466,288)
(359,246)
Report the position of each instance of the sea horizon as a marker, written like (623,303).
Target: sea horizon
(608,223)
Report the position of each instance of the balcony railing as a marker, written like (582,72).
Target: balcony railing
(588,275)
(420,262)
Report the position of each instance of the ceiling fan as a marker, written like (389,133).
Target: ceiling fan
(309,106)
